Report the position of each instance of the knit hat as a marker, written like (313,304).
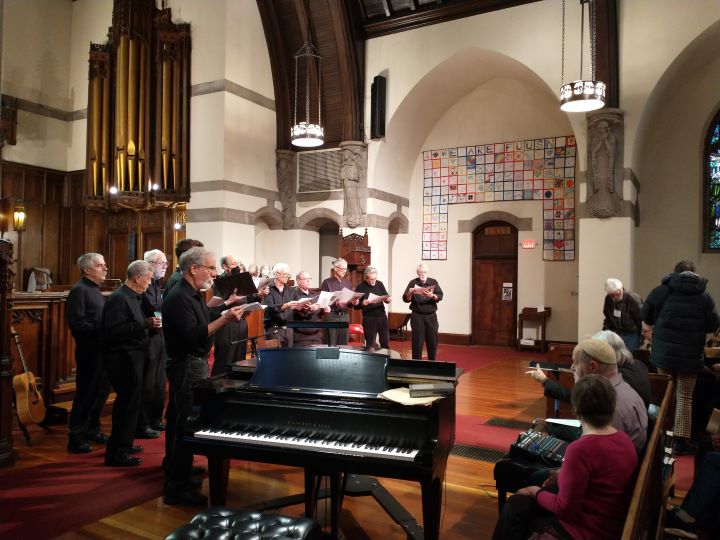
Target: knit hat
(612,285)
(599,350)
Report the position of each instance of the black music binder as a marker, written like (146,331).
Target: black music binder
(242,284)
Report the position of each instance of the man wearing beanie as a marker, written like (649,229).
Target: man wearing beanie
(596,356)
(623,313)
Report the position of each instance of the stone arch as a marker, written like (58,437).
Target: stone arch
(269,215)
(314,219)
(469,225)
(398,223)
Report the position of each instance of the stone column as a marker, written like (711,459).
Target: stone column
(353,173)
(606,218)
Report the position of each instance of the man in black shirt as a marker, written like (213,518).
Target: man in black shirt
(306,337)
(423,293)
(180,247)
(338,311)
(189,328)
(154,379)
(124,333)
(84,310)
(279,300)
(375,321)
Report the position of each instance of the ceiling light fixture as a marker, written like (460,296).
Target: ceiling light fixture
(304,133)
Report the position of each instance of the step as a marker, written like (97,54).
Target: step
(60,410)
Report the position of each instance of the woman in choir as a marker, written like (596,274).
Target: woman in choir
(373,302)
(588,499)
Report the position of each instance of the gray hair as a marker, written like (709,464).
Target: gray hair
(280,267)
(300,274)
(370,270)
(86,261)
(253,268)
(224,259)
(422,265)
(623,355)
(138,268)
(193,256)
(612,285)
(337,262)
(153,254)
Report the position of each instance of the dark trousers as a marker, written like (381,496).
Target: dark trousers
(227,352)
(153,384)
(376,326)
(125,371)
(337,336)
(92,388)
(424,332)
(703,500)
(307,337)
(521,516)
(182,374)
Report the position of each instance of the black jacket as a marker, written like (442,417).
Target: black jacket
(682,313)
(123,322)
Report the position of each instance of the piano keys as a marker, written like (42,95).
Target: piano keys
(318,408)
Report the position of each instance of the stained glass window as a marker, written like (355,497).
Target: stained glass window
(712,185)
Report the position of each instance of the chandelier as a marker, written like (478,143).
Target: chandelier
(305,133)
(582,95)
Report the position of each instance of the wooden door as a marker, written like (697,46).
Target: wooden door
(494,288)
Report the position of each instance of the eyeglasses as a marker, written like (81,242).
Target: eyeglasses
(211,268)
(161,263)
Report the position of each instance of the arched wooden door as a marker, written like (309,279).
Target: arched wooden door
(494,286)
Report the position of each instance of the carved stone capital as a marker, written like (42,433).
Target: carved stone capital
(353,173)
(606,137)
(286,167)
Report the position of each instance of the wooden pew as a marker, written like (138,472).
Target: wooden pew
(646,513)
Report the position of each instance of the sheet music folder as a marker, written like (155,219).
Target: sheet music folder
(321,370)
(242,283)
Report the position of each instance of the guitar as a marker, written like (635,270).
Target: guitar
(28,399)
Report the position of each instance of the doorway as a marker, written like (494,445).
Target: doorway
(494,284)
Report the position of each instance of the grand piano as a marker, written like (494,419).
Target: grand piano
(318,408)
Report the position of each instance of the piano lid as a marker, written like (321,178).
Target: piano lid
(321,370)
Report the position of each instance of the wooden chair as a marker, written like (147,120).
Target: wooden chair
(397,322)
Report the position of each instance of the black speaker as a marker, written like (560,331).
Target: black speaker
(377,107)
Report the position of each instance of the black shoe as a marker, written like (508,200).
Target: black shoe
(122,460)
(147,434)
(158,427)
(185,498)
(677,527)
(136,449)
(79,448)
(99,438)
(196,470)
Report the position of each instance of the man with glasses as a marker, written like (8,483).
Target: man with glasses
(180,247)
(189,328)
(307,337)
(279,300)
(153,392)
(85,304)
(338,311)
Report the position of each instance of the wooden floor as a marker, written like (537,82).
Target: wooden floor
(470,507)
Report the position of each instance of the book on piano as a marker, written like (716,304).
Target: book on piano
(431,389)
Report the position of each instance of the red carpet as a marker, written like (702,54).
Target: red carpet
(48,500)
(471,430)
(474,357)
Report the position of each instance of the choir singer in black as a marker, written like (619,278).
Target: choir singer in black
(373,302)
(423,293)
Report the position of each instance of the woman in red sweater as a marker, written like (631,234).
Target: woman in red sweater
(589,497)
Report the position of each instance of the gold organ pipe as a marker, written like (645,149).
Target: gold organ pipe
(165,122)
(95,113)
(105,132)
(132,100)
(175,118)
(143,97)
(121,100)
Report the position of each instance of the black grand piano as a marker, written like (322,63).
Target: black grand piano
(318,408)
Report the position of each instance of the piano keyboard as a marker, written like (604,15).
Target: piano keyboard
(310,441)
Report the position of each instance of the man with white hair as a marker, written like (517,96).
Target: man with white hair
(339,310)
(423,293)
(623,313)
(280,302)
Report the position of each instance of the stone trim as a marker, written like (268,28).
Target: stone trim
(338,195)
(223,85)
(233,187)
(47,111)
(268,214)
(388,197)
(469,225)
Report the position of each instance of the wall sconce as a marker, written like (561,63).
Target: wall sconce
(19,216)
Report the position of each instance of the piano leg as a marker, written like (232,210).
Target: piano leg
(432,506)
(218,471)
(312,487)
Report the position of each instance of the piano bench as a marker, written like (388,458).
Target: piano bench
(220,522)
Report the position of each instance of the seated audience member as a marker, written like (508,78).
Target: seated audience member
(701,507)
(597,356)
(590,495)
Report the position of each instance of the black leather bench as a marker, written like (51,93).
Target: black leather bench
(220,522)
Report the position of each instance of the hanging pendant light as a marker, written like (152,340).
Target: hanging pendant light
(305,133)
(582,95)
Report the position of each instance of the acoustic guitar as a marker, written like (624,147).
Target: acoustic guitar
(28,399)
